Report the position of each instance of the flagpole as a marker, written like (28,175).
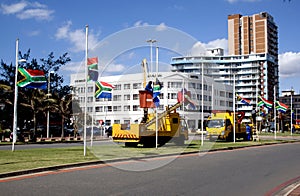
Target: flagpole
(16,98)
(93,113)
(202,103)
(275,127)
(212,96)
(234,107)
(85,97)
(292,111)
(156,124)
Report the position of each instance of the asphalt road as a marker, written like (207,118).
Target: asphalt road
(248,171)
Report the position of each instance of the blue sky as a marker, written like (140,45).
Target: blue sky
(59,27)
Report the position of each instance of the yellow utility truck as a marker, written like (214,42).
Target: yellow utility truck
(220,126)
(170,126)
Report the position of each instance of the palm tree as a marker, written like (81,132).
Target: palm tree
(64,107)
(37,101)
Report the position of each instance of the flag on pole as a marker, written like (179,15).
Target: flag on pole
(156,93)
(32,79)
(186,99)
(103,90)
(281,107)
(243,100)
(92,64)
(265,102)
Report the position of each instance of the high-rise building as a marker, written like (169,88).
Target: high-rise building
(256,34)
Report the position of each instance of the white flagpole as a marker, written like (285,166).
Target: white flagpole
(85,97)
(16,98)
(275,127)
(234,116)
(212,96)
(202,103)
(292,111)
(93,113)
(156,127)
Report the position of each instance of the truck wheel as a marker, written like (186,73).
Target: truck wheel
(229,138)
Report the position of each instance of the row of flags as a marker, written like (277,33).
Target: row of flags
(281,107)
(36,79)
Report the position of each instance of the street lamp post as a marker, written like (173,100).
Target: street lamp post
(151,41)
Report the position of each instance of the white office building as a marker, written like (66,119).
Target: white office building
(124,107)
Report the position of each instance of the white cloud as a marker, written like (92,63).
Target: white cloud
(76,37)
(39,14)
(200,48)
(140,23)
(161,27)
(289,64)
(112,68)
(26,10)
(13,8)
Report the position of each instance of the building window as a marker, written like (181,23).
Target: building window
(222,93)
(90,99)
(117,121)
(126,108)
(137,85)
(192,85)
(126,86)
(127,122)
(135,96)
(172,95)
(89,109)
(81,90)
(90,89)
(205,98)
(117,87)
(117,108)
(107,122)
(81,99)
(126,97)
(222,103)
(174,84)
(99,109)
(107,108)
(136,108)
(117,98)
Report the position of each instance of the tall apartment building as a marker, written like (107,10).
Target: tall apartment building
(256,34)
(246,72)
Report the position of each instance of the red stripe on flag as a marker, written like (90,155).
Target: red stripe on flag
(35,72)
(106,84)
(93,60)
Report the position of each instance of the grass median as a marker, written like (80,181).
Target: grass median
(45,157)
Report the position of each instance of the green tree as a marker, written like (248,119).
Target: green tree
(33,98)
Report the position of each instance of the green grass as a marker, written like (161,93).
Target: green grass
(45,157)
(36,158)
